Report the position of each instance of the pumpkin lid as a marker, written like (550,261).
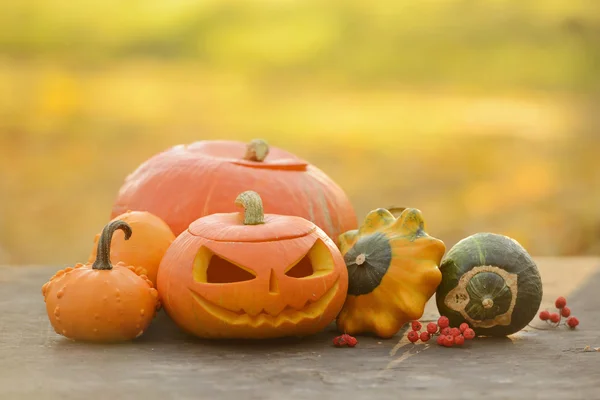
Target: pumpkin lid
(251,225)
(256,154)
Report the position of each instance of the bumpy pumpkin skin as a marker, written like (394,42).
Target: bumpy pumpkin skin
(122,309)
(150,240)
(100,302)
(185,183)
(393,272)
(490,282)
(269,289)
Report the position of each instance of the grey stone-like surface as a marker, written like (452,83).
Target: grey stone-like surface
(36,363)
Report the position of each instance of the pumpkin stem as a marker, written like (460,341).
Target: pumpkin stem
(253,207)
(256,150)
(487,303)
(360,259)
(103,254)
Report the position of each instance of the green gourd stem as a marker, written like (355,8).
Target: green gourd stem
(103,254)
(253,207)
(256,150)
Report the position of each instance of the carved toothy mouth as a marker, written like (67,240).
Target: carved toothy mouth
(288,315)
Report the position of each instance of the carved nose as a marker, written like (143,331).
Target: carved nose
(273,283)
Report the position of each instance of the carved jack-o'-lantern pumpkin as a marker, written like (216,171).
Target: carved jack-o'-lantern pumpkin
(250,275)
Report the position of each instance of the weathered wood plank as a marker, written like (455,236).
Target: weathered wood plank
(165,363)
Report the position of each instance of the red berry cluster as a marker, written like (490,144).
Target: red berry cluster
(554,318)
(345,340)
(447,336)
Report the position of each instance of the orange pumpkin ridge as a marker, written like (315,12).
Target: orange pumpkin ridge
(252,275)
(185,183)
(125,308)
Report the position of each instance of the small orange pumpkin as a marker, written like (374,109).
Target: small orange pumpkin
(250,275)
(145,248)
(99,302)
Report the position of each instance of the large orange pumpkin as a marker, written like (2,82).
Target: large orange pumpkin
(185,183)
(249,275)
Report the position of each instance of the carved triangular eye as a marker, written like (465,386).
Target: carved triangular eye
(210,268)
(222,271)
(302,269)
(317,262)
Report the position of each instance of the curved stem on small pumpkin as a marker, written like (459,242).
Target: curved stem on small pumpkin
(256,150)
(253,207)
(103,254)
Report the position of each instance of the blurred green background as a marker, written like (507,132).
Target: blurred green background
(483,114)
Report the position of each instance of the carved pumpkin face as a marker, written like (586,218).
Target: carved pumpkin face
(228,278)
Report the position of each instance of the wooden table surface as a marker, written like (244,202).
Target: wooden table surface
(36,363)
